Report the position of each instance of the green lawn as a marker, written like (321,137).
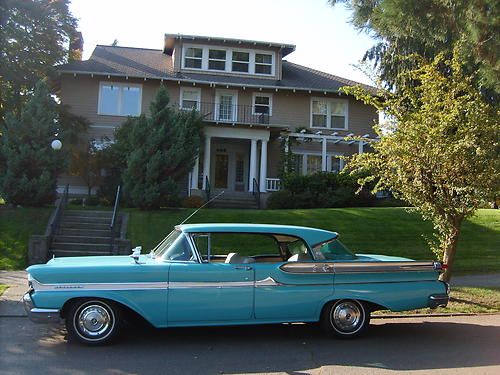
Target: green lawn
(16,226)
(3,288)
(390,231)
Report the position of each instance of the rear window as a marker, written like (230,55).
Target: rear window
(332,250)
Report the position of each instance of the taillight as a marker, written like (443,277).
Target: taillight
(438,266)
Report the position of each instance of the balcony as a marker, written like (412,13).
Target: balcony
(228,113)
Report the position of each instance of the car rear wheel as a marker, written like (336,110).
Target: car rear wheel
(93,321)
(345,318)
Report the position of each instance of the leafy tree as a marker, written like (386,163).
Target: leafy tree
(159,149)
(442,154)
(87,163)
(428,28)
(28,165)
(34,36)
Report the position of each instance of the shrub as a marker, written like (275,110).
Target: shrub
(320,190)
(92,201)
(192,202)
(76,202)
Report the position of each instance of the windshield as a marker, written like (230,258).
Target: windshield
(160,249)
(332,250)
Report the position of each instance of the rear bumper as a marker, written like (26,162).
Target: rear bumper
(38,315)
(438,300)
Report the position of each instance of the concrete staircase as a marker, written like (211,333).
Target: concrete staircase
(83,233)
(234,200)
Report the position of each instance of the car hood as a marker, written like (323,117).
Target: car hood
(99,269)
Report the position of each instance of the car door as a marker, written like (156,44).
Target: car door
(294,290)
(210,291)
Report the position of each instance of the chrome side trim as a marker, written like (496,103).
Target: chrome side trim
(356,267)
(38,286)
(268,282)
(38,315)
(202,284)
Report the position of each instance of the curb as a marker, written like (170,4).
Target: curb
(443,315)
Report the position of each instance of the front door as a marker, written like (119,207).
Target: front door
(221,171)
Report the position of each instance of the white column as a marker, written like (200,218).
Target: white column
(360,147)
(194,173)
(323,155)
(253,164)
(263,165)
(206,162)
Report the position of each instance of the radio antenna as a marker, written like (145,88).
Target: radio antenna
(203,205)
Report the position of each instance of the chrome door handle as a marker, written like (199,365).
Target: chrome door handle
(246,268)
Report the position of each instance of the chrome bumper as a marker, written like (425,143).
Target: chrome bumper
(438,300)
(40,315)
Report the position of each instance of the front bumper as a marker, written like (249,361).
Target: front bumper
(438,300)
(40,315)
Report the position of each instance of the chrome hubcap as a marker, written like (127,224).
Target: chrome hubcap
(93,321)
(346,316)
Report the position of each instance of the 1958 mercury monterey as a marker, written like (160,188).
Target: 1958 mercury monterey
(229,274)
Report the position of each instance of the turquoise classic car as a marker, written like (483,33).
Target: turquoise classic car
(230,274)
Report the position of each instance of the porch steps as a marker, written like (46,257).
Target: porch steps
(82,233)
(235,200)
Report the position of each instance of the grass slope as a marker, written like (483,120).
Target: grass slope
(390,231)
(16,226)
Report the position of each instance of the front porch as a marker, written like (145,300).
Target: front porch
(237,160)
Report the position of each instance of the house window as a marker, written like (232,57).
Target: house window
(190,98)
(226,105)
(241,61)
(263,63)
(313,164)
(336,164)
(329,113)
(262,104)
(119,99)
(193,58)
(217,59)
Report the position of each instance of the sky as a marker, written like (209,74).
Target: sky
(324,37)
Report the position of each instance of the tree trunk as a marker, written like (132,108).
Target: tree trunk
(450,251)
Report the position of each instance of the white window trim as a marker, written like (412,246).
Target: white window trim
(329,155)
(329,113)
(118,84)
(268,95)
(234,93)
(208,59)
(181,96)
(229,59)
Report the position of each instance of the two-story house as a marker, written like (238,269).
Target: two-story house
(250,97)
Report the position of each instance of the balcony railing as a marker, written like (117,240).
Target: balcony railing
(273,184)
(228,113)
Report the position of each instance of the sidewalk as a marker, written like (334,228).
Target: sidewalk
(11,305)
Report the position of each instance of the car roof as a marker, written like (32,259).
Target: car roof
(312,236)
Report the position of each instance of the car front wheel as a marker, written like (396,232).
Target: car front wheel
(345,318)
(93,321)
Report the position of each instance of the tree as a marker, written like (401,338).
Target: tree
(34,36)
(28,165)
(87,163)
(159,149)
(428,28)
(442,154)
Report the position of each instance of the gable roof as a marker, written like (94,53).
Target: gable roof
(154,64)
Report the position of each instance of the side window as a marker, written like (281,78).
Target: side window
(332,250)
(298,251)
(180,250)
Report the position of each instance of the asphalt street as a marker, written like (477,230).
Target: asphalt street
(451,345)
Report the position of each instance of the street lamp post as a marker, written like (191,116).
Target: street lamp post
(56,145)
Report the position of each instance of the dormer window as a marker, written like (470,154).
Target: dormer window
(193,58)
(263,63)
(217,59)
(229,60)
(241,61)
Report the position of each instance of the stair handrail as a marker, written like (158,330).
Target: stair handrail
(114,217)
(256,192)
(55,221)
(207,188)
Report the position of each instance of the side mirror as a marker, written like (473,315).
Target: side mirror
(136,253)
